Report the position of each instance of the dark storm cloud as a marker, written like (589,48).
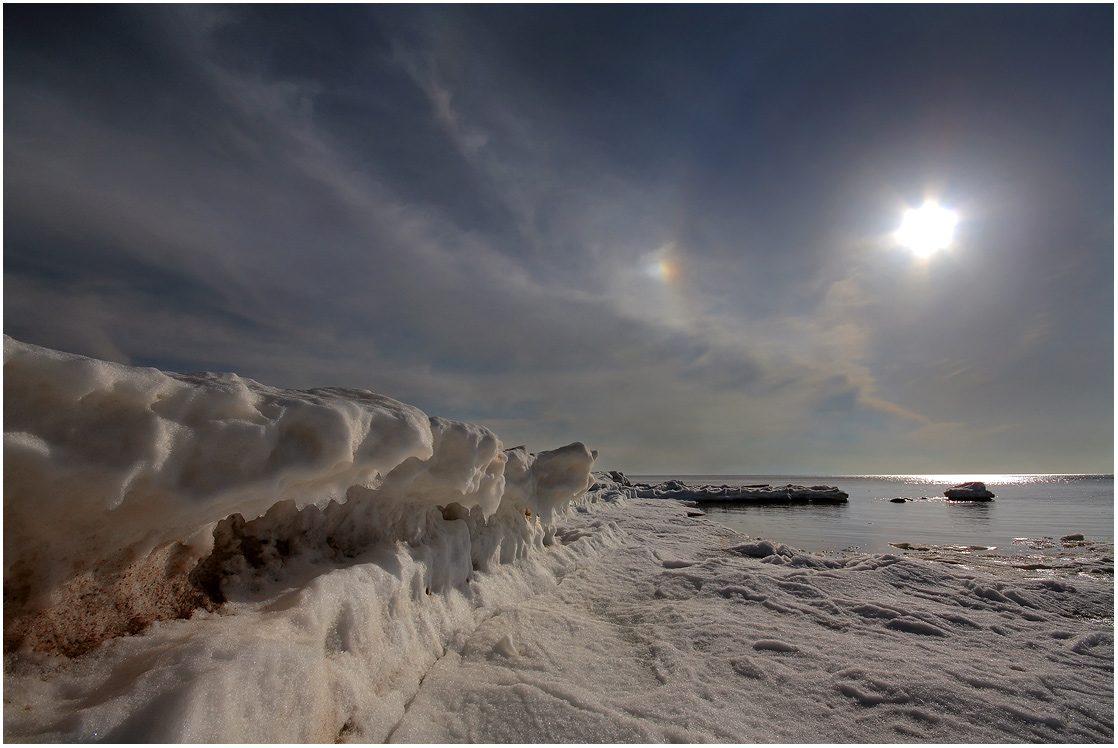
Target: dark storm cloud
(662,230)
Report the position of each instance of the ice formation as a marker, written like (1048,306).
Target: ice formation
(118,480)
(393,577)
(758,494)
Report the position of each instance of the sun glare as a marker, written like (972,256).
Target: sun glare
(927,229)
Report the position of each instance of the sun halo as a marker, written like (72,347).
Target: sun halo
(664,269)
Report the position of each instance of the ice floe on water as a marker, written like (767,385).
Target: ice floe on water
(204,558)
(751,495)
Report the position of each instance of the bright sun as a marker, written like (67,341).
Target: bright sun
(928,229)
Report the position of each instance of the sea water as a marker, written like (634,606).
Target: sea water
(1027,509)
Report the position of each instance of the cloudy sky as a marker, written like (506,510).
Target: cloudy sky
(665,231)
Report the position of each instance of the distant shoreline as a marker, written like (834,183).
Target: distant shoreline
(1020,520)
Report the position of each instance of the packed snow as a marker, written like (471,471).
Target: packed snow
(203,558)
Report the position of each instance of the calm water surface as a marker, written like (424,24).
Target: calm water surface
(1026,506)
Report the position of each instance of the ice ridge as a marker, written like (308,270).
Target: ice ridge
(133,495)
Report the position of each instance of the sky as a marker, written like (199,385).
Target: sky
(665,231)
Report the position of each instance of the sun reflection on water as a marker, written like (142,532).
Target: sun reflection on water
(990,479)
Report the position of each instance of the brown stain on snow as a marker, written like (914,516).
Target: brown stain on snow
(119,596)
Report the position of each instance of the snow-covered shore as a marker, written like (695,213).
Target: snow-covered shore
(169,578)
(680,630)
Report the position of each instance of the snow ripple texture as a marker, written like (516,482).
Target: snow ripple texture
(682,633)
(434,604)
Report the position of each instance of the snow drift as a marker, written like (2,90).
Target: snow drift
(132,495)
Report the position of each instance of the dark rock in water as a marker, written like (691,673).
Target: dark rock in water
(898,500)
(1073,536)
(974,491)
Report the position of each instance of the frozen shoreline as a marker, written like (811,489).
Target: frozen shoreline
(463,592)
(706,643)
(640,623)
